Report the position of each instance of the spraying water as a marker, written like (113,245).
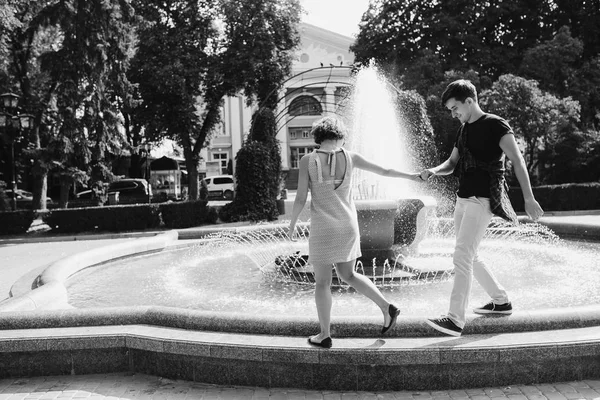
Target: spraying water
(378,134)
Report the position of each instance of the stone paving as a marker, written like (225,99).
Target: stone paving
(139,386)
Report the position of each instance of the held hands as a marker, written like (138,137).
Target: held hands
(426,174)
(533,209)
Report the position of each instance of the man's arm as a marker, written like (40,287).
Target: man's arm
(445,168)
(510,148)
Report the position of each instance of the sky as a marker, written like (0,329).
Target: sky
(340,16)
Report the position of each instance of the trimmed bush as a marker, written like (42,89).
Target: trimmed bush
(258,173)
(188,214)
(565,197)
(15,222)
(111,218)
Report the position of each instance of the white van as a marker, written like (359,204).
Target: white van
(220,187)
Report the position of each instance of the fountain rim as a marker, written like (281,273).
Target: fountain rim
(24,311)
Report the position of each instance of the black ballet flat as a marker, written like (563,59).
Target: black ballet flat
(394,312)
(325,343)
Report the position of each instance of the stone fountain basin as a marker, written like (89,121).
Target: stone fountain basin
(47,306)
(550,345)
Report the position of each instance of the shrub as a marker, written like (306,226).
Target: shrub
(187,214)
(254,200)
(419,133)
(258,173)
(4,201)
(112,218)
(565,197)
(15,222)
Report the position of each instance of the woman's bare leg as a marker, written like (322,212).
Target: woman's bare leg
(365,286)
(323,300)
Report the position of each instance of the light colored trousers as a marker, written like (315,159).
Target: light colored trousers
(471,218)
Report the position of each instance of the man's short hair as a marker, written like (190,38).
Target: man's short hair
(328,128)
(459,90)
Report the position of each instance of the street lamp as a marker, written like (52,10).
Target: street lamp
(11,120)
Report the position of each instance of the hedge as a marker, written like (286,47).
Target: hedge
(15,222)
(187,214)
(108,218)
(565,197)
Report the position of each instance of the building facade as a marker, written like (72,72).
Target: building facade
(320,75)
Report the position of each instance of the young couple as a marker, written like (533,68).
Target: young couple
(478,161)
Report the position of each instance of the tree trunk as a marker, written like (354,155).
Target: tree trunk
(193,164)
(40,186)
(135,169)
(65,187)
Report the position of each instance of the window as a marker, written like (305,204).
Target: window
(305,105)
(297,154)
(223,159)
(297,133)
(223,180)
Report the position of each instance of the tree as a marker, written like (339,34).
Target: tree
(572,156)
(536,117)
(258,173)
(489,37)
(582,17)
(586,89)
(64,56)
(192,54)
(554,63)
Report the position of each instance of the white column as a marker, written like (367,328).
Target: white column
(329,99)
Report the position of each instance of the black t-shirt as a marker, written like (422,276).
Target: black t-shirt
(483,141)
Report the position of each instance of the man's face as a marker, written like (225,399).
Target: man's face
(460,110)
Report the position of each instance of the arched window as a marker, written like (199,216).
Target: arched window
(305,105)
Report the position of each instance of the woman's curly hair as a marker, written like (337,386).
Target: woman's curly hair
(328,128)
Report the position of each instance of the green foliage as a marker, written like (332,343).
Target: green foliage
(208,50)
(536,117)
(254,199)
(419,131)
(15,222)
(4,201)
(112,218)
(565,197)
(464,34)
(67,60)
(573,156)
(187,214)
(554,62)
(258,173)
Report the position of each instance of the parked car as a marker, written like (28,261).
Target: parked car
(130,191)
(24,198)
(220,187)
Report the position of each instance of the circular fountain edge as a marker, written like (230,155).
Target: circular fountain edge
(52,292)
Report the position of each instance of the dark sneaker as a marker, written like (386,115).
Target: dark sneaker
(492,308)
(445,325)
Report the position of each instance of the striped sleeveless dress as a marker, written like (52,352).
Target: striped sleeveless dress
(334,234)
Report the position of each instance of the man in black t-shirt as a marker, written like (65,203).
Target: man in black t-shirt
(478,160)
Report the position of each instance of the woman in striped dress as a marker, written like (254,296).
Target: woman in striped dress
(334,238)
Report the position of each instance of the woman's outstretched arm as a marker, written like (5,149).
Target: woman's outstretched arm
(362,163)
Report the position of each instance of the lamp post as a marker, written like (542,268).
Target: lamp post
(11,120)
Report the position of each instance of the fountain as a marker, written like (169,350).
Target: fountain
(393,217)
(247,294)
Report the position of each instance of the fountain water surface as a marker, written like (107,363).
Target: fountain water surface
(259,270)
